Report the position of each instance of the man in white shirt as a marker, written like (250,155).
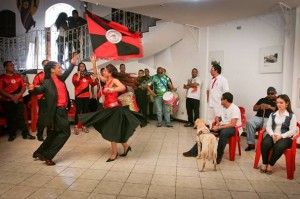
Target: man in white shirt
(217,86)
(224,125)
(192,98)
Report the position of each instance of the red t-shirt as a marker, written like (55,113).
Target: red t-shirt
(37,80)
(61,91)
(12,84)
(82,86)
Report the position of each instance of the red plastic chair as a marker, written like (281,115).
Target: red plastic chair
(232,141)
(290,154)
(33,106)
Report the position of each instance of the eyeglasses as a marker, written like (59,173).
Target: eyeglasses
(271,93)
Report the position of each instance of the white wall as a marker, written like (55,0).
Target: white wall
(241,59)
(241,56)
(179,60)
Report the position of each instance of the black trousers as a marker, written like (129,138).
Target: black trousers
(192,108)
(14,113)
(142,101)
(82,106)
(42,114)
(58,137)
(151,104)
(278,148)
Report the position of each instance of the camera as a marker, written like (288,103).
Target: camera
(86,73)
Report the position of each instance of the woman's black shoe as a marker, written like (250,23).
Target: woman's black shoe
(128,149)
(110,159)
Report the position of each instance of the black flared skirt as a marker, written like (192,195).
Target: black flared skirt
(114,124)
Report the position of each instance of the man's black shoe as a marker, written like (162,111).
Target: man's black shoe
(219,161)
(169,126)
(189,154)
(11,138)
(40,139)
(249,148)
(29,137)
(188,125)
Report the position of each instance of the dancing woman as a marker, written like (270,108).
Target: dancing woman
(115,123)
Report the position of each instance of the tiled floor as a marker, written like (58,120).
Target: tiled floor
(154,169)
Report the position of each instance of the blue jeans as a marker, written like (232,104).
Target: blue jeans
(224,134)
(162,107)
(251,126)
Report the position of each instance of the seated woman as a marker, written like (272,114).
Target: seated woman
(281,126)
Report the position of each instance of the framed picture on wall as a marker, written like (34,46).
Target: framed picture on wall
(270,59)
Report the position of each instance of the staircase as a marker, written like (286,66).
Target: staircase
(27,51)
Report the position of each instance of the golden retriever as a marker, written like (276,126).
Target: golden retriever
(207,144)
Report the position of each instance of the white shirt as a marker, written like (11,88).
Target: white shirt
(194,93)
(279,120)
(232,112)
(216,90)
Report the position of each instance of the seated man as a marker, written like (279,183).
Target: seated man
(264,107)
(224,125)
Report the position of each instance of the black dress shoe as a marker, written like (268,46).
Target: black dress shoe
(112,159)
(127,150)
(29,137)
(188,125)
(40,139)
(249,148)
(219,161)
(49,163)
(11,138)
(189,154)
(169,126)
(39,156)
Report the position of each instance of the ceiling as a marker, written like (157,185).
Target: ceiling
(198,13)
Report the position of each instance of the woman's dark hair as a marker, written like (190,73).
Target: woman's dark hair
(62,18)
(287,100)
(81,63)
(125,79)
(113,70)
(48,67)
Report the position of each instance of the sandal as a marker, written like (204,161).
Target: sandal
(269,172)
(84,129)
(262,170)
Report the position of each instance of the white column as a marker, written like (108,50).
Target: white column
(296,67)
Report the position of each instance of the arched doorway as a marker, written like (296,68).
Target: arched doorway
(51,15)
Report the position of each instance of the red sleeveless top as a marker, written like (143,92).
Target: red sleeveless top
(110,99)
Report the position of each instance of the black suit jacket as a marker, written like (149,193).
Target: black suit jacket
(49,90)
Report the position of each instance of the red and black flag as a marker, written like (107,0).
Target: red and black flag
(111,40)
